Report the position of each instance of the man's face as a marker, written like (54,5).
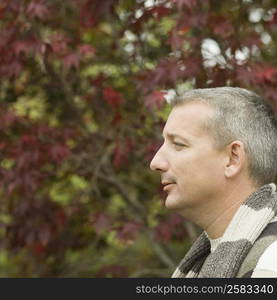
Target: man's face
(192,170)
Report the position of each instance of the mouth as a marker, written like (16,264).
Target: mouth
(168,185)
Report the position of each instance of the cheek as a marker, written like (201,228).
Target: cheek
(196,167)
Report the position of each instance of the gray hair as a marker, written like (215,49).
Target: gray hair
(241,115)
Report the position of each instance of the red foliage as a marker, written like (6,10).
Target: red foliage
(59,43)
(221,26)
(185,3)
(121,152)
(71,60)
(38,9)
(112,97)
(128,231)
(155,100)
(101,222)
(92,10)
(170,228)
(60,50)
(49,220)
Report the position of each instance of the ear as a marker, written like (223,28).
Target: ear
(236,159)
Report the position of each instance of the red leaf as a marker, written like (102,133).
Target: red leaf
(244,74)
(7,120)
(86,50)
(99,80)
(160,11)
(59,43)
(27,139)
(38,248)
(3,145)
(252,39)
(257,74)
(71,60)
(221,26)
(11,187)
(187,3)
(58,152)
(92,11)
(128,232)
(266,74)
(21,47)
(196,19)
(151,150)
(27,45)
(119,156)
(155,100)
(37,9)
(273,20)
(271,93)
(166,73)
(112,97)
(121,152)
(169,228)
(100,222)
(44,235)
(13,69)
(176,40)
(116,119)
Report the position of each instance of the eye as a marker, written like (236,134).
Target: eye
(178,146)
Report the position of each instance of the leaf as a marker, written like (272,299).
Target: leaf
(21,47)
(71,60)
(28,140)
(37,9)
(100,222)
(59,152)
(160,11)
(155,100)
(92,10)
(169,228)
(86,50)
(185,3)
(273,20)
(152,149)
(13,69)
(59,43)
(44,235)
(221,26)
(266,74)
(112,97)
(116,119)
(128,232)
(245,74)
(176,40)
(119,156)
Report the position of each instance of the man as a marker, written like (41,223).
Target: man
(218,163)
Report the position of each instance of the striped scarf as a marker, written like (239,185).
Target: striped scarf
(246,226)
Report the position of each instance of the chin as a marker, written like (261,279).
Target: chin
(172,203)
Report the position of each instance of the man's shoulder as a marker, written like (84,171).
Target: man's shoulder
(262,246)
(267,263)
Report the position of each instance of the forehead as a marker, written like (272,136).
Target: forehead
(188,118)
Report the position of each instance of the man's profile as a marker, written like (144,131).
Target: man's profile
(218,163)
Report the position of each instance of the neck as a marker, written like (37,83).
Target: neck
(215,218)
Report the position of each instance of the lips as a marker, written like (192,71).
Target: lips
(168,185)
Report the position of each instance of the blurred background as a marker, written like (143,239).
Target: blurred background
(84,93)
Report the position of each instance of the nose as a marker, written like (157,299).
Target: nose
(159,162)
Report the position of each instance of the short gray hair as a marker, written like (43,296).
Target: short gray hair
(241,115)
